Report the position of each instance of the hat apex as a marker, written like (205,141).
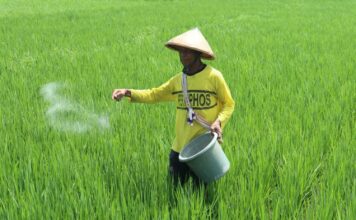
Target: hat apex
(194,40)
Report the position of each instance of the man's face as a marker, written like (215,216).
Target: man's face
(187,57)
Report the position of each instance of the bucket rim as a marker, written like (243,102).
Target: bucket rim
(211,143)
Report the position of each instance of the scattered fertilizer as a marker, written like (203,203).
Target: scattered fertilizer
(66,115)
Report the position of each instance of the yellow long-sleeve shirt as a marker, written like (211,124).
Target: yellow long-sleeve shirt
(209,96)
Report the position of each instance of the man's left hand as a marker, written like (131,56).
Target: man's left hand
(216,127)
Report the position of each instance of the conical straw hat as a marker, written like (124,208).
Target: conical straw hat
(194,40)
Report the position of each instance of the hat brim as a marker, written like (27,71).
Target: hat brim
(178,47)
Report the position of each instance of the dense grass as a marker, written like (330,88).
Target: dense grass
(291,69)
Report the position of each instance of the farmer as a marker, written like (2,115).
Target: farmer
(201,95)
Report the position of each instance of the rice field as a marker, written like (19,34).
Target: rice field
(67,151)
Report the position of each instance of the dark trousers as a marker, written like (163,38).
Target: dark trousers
(180,172)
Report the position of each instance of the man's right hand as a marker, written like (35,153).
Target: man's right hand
(119,93)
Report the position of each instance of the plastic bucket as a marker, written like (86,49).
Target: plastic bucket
(205,157)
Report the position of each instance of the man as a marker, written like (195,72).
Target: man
(207,98)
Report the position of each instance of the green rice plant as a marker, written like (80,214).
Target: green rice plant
(290,66)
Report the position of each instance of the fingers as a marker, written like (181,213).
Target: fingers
(219,134)
(114,94)
(216,128)
(117,94)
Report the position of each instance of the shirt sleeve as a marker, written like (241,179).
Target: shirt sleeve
(224,96)
(159,94)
